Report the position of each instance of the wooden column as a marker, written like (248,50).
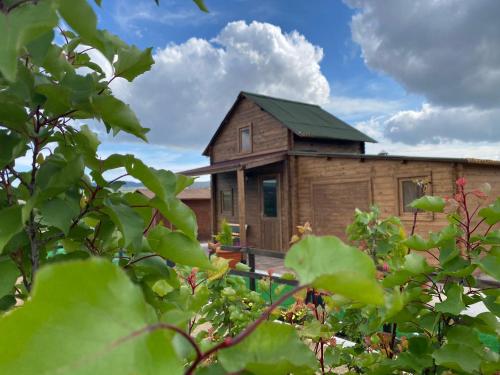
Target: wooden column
(213,205)
(240,175)
(294,199)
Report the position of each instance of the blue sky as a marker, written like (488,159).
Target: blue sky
(390,68)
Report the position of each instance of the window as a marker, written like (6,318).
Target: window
(245,139)
(270,197)
(409,190)
(226,202)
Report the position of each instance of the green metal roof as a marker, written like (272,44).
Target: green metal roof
(307,120)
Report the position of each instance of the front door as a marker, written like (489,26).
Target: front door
(270,219)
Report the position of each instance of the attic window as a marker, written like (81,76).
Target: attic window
(245,139)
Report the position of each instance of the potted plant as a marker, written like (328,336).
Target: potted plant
(225,238)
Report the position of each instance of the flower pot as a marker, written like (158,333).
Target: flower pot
(233,256)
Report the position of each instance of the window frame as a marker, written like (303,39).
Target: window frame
(404,215)
(263,178)
(250,135)
(223,209)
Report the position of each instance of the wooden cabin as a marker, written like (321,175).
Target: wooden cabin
(277,163)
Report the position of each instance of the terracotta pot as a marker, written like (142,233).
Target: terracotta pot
(233,256)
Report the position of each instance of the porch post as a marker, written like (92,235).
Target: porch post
(240,174)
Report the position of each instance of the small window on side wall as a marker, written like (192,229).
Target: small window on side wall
(226,202)
(411,188)
(245,139)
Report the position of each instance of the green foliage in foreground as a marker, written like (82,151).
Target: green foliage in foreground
(84,283)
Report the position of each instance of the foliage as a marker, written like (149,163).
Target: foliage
(225,236)
(85,287)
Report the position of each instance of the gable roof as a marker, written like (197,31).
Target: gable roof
(305,120)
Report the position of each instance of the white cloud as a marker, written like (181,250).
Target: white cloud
(433,124)
(447,50)
(378,128)
(192,85)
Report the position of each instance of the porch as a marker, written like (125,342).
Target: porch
(253,193)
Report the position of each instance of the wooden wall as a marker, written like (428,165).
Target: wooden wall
(268,134)
(318,189)
(382,178)
(323,145)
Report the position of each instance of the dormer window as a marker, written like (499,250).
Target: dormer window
(245,139)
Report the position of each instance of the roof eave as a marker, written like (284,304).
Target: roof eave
(299,134)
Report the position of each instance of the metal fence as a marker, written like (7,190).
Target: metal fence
(251,252)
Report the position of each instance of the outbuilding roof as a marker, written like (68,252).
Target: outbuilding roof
(304,119)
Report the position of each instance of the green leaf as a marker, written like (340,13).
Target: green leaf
(162,288)
(130,222)
(271,349)
(11,223)
(12,113)
(58,98)
(457,357)
(416,264)
(453,304)
(491,214)
(12,147)
(6,302)
(59,212)
(178,247)
(416,242)
(80,16)
(328,263)
(20,26)
(57,174)
(118,115)
(79,319)
(492,238)
(462,351)
(491,263)
(160,182)
(201,5)
(429,203)
(132,62)
(8,275)
(182,183)
(179,214)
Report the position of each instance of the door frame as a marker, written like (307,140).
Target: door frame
(262,218)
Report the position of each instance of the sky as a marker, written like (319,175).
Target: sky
(422,77)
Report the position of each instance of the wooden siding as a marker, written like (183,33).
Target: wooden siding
(383,179)
(334,201)
(323,145)
(268,134)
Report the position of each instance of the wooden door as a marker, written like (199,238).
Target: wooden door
(270,217)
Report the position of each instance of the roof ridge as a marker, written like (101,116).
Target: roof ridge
(281,99)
